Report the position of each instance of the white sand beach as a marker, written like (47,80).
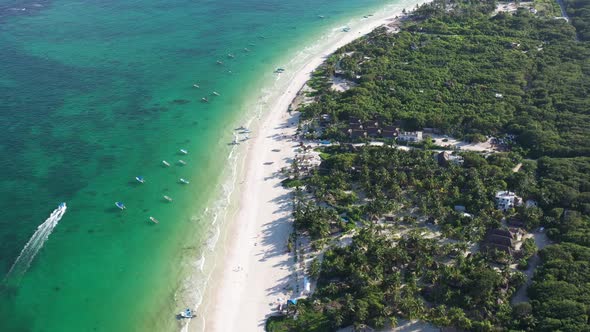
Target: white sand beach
(256,268)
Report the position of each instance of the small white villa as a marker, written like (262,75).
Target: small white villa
(506,200)
(410,136)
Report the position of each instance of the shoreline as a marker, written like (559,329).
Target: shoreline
(253,252)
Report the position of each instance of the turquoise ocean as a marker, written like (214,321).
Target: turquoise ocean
(94,93)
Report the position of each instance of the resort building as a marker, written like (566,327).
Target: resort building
(357,133)
(389,131)
(373,132)
(506,200)
(410,136)
(500,240)
(445,159)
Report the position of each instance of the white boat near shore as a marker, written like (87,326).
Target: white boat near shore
(186,313)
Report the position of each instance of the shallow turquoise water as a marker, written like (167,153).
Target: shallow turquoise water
(94,93)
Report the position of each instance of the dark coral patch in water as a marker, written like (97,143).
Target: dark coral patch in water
(180,101)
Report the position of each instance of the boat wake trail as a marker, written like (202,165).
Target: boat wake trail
(26,256)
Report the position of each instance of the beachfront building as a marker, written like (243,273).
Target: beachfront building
(445,159)
(357,133)
(410,136)
(506,200)
(500,240)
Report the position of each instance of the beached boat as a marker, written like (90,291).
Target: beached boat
(183,151)
(196,86)
(168,198)
(347,29)
(120,205)
(216,93)
(154,220)
(183,181)
(246,131)
(205,100)
(280,70)
(186,313)
(240,128)
(182,162)
(140,179)
(167,164)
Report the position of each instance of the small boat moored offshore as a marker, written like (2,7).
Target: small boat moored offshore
(154,220)
(120,205)
(140,179)
(168,198)
(183,181)
(182,162)
(219,62)
(167,164)
(216,93)
(231,56)
(186,313)
(205,100)
(196,86)
(183,151)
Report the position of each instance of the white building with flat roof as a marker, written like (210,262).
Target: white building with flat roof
(506,200)
(410,136)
